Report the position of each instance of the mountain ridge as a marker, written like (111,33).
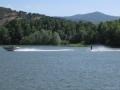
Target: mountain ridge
(94,17)
(7,14)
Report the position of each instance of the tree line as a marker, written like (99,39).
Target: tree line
(44,30)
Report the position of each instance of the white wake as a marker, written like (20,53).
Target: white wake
(41,50)
(104,49)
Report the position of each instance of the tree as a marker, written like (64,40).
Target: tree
(56,40)
(4,36)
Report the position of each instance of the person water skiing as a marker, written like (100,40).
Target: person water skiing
(91,47)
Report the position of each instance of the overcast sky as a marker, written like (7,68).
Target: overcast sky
(64,7)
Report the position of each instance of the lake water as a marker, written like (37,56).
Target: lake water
(59,68)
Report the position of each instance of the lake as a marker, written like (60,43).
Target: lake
(59,68)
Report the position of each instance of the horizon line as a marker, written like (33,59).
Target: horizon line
(60,15)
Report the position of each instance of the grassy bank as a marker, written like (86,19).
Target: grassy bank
(77,45)
(68,45)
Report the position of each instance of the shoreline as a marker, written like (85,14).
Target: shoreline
(67,45)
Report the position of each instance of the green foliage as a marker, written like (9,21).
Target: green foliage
(42,37)
(4,36)
(56,40)
(109,33)
(45,30)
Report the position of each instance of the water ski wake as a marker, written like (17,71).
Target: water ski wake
(104,49)
(41,50)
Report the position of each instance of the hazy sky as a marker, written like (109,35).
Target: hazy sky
(64,7)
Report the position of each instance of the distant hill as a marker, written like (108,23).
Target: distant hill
(94,17)
(5,12)
(7,15)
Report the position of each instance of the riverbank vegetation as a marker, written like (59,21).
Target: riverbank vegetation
(35,29)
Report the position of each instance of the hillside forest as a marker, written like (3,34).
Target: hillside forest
(21,28)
